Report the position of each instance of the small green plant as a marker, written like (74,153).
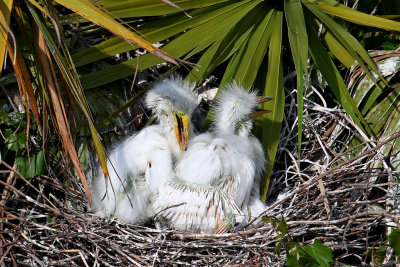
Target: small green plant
(394,241)
(29,162)
(377,255)
(315,254)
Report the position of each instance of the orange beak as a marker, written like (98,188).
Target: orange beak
(259,112)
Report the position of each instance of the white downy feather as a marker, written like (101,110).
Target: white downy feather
(216,174)
(142,163)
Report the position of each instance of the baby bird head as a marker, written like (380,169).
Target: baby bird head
(172,102)
(235,109)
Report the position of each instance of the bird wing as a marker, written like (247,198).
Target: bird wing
(125,194)
(225,162)
(196,207)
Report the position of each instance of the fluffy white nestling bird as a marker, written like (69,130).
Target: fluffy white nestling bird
(212,188)
(142,163)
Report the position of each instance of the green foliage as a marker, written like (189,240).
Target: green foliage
(377,255)
(12,118)
(31,166)
(15,141)
(379,102)
(394,241)
(315,254)
(279,226)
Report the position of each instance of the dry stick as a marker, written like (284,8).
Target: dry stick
(55,250)
(52,207)
(218,236)
(3,200)
(10,245)
(323,195)
(313,180)
(353,217)
(331,171)
(75,251)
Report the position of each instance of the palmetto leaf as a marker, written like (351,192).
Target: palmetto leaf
(349,14)
(299,46)
(5,8)
(381,114)
(271,125)
(380,107)
(144,8)
(90,11)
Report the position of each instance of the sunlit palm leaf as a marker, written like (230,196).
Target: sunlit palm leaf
(5,10)
(336,9)
(157,30)
(271,123)
(299,46)
(337,49)
(381,108)
(91,12)
(144,8)
(334,79)
(346,39)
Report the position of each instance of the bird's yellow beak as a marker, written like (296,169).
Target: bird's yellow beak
(259,112)
(182,129)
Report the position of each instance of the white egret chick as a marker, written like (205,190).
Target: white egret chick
(142,163)
(213,180)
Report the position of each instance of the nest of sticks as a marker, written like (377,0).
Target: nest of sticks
(348,203)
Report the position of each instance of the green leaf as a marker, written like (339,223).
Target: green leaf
(141,8)
(394,241)
(378,255)
(293,255)
(256,48)
(336,48)
(268,126)
(297,33)
(278,225)
(157,30)
(336,9)
(315,255)
(15,141)
(96,15)
(299,46)
(12,118)
(32,166)
(278,248)
(385,113)
(221,25)
(334,79)
(197,38)
(230,43)
(346,39)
